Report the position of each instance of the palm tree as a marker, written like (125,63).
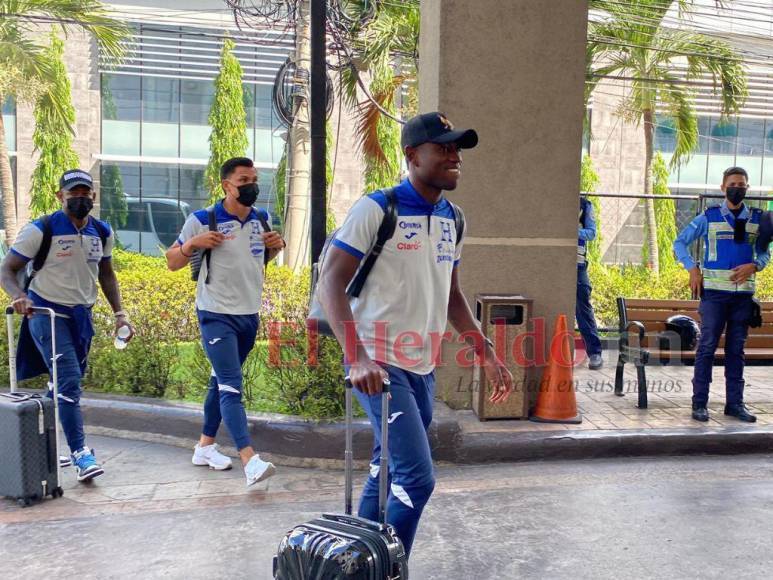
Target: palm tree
(26,74)
(385,48)
(633,43)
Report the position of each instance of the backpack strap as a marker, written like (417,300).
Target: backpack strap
(212,221)
(262,218)
(459,221)
(45,246)
(385,232)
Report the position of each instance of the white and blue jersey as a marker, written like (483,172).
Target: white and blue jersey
(236,283)
(71,270)
(402,311)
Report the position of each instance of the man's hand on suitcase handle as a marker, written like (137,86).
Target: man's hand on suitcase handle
(22,305)
(499,377)
(368,377)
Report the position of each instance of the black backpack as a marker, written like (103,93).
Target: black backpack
(385,232)
(45,246)
(206,255)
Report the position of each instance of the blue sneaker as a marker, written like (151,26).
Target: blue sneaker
(86,465)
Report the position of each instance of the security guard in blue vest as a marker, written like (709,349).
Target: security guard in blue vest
(726,287)
(586,319)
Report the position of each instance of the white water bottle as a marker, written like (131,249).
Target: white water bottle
(122,337)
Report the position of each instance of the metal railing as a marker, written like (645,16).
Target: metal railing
(621,221)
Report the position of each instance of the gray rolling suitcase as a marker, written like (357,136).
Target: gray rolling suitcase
(343,546)
(29,434)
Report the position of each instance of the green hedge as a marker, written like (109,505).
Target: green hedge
(610,282)
(166,359)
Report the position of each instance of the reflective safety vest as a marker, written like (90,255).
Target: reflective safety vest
(582,245)
(722,253)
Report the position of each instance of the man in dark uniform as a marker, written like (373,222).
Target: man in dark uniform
(726,287)
(586,319)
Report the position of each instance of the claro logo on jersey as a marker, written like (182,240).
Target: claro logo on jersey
(408,246)
(64,249)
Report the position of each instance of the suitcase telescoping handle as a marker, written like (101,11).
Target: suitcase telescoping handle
(51,313)
(383,471)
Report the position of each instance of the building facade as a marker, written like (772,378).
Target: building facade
(142,124)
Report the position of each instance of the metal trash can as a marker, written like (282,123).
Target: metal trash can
(503,318)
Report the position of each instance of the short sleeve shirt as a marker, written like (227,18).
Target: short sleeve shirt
(71,270)
(236,280)
(402,311)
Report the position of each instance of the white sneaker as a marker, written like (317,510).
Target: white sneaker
(258,470)
(210,456)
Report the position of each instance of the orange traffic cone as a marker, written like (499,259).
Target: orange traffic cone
(556,402)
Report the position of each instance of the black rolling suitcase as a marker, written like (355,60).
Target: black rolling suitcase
(28,434)
(342,546)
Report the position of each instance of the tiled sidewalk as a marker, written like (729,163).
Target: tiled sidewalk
(670,392)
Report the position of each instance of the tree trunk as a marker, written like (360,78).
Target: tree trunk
(651,231)
(298,198)
(6,184)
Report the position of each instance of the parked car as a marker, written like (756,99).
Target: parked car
(153,224)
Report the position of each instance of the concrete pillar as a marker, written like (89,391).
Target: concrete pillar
(514,71)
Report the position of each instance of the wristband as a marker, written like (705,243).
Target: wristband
(183,253)
(119,313)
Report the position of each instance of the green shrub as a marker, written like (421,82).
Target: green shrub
(166,358)
(611,282)
(307,379)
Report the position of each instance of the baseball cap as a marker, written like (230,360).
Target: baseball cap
(75,177)
(435,128)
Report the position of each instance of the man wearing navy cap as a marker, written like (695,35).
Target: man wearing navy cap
(78,257)
(400,317)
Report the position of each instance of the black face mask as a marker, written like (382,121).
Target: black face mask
(248,193)
(735,195)
(79,207)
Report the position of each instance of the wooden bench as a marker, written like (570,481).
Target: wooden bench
(642,321)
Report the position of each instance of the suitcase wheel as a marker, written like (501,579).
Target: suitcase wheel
(25,502)
(58,492)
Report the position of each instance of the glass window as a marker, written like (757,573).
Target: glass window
(192,188)
(248,92)
(160,139)
(704,134)
(160,180)
(665,135)
(194,141)
(9,106)
(121,97)
(138,218)
(160,100)
(120,137)
(9,124)
(265,114)
(196,99)
(117,182)
(160,47)
(694,171)
(717,166)
(723,137)
(751,137)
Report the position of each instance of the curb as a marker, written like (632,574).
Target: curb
(296,441)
